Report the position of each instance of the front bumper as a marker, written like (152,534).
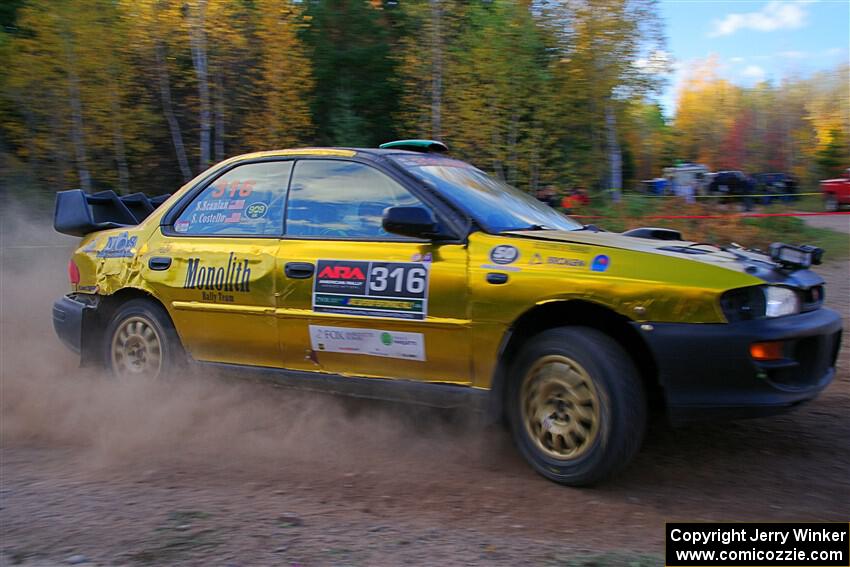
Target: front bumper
(706,370)
(69,314)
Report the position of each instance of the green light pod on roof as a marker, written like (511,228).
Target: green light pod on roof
(424,146)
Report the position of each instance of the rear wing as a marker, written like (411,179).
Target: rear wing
(79,213)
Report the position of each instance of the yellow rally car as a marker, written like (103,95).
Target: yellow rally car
(328,265)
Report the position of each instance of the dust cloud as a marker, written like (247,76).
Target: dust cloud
(196,421)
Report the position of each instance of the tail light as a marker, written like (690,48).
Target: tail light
(73,272)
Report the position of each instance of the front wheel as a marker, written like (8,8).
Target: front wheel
(140,341)
(576,405)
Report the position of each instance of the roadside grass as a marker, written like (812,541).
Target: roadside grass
(758,233)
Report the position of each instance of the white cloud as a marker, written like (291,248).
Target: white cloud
(737,59)
(775,15)
(657,62)
(794,54)
(753,72)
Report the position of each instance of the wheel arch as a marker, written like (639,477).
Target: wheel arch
(578,312)
(95,326)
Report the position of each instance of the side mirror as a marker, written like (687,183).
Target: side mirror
(417,222)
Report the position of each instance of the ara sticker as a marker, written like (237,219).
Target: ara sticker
(121,246)
(504,254)
(369,342)
(181,226)
(600,263)
(374,289)
(427,257)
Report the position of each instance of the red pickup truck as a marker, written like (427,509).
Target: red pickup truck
(836,192)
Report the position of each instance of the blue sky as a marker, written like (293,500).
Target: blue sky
(754,41)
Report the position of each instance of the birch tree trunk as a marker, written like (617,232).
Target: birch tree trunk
(168,110)
(199,60)
(120,151)
(77,132)
(615,155)
(437,69)
(219,118)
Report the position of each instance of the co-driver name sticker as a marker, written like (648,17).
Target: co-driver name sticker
(372,289)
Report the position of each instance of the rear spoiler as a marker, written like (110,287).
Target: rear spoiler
(79,213)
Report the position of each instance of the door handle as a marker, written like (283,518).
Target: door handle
(496,278)
(299,270)
(159,263)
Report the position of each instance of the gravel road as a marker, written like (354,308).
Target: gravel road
(221,471)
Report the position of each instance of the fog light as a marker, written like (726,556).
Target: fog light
(767,351)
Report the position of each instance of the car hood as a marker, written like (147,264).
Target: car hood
(741,260)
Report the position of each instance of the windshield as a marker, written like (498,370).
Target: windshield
(495,205)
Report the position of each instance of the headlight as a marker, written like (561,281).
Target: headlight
(780,301)
(747,303)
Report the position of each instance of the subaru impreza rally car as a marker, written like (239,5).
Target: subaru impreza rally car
(343,266)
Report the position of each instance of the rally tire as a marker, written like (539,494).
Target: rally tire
(590,396)
(140,342)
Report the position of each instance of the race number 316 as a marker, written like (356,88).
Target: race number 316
(401,280)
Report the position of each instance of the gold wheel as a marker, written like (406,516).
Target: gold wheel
(560,407)
(136,349)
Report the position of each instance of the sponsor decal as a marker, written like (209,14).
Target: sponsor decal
(504,254)
(537,259)
(600,263)
(121,246)
(181,226)
(256,210)
(369,342)
(234,276)
(372,289)
(427,257)
(569,262)
(501,268)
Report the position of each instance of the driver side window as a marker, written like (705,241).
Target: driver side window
(342,199)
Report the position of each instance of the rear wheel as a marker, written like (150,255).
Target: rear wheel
(576,405)
(140,341)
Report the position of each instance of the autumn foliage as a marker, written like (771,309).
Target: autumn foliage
(142,95)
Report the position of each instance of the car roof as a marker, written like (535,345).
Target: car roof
(325,151)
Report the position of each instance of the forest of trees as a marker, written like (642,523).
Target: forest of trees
(141,95)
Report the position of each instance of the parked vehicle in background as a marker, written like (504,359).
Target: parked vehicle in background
(655,186)
(684,176)
(776,186)
(735,186)
(836,192)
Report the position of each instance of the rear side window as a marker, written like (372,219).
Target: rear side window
(342,199)
(246,201)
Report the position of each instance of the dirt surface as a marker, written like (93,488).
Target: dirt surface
(840,223)
(214,470)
